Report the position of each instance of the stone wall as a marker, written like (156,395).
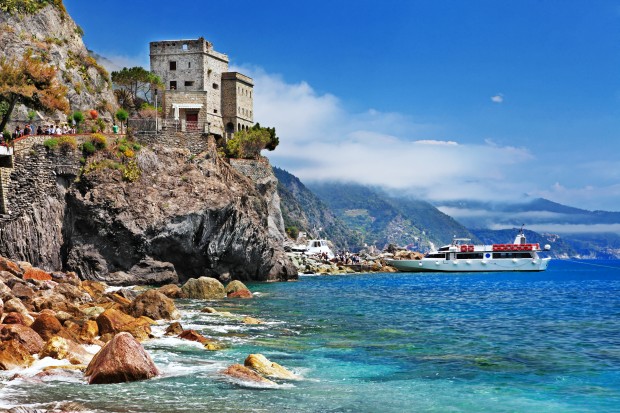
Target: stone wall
(196,142)
(237,101)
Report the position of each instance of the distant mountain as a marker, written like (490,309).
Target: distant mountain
(583,233)
(383,219)
(305,211)
(538,211)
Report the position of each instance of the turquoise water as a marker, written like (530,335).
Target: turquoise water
(518,342)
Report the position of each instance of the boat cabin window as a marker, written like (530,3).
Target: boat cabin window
(512,255)
(436,255)
(469,256)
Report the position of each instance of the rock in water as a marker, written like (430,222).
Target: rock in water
(60,348)
(122,359)
(237,289)
(155,305)
(264,366)
(245,374)
(204,288)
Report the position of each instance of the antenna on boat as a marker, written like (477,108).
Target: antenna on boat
(521,230)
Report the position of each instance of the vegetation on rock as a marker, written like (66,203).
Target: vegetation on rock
(30,82)
(29,6)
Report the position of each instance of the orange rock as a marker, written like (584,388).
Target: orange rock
(13,354)
(34,273)
(46,325)
(89,330)
(111,321)
(23,335)
(240,294)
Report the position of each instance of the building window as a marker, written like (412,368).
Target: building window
(214,110)
(215,86)
(173,85)
(173,65)
(250,93)
(189,83)
(184,47)
(189,65)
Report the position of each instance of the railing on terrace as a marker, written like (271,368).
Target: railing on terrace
(152,126)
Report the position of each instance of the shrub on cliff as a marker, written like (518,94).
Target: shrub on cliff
(99,141)
(88,148)
(67,143)
(51,143)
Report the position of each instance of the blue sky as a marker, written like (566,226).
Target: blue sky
(480,99)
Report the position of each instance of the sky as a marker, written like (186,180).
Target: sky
(489,100)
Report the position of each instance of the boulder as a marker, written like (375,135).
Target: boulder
(204,288)
(13,318)
(15,305)
(155,305)
(94,288)
(113,321)
(153,272)
(92,312)
(67,278)
(237,289)
(10,266)
(172,291)
(264,366)
(174,329)
(209,310)
(23,335)
(89,331)
(56,302)
(14,355)
(47,326)
(239,372)
(122,359)
(61,348)
(5,291)
(73,293)
(22,291)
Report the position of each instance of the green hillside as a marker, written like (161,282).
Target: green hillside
(382,219)
(303,210)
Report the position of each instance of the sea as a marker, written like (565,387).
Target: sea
(485,342)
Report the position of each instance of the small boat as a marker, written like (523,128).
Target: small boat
(463,256)
(315,247)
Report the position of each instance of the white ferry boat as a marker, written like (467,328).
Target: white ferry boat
(462,256)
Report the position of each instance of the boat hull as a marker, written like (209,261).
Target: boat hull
(490,265)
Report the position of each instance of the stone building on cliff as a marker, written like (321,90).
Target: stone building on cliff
(200,93)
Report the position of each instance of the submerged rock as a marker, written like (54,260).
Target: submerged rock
(204,288)
(237,289)
(245,374)
(122,359)
(174,329)
(264,366)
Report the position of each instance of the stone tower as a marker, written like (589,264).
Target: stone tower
(200,93)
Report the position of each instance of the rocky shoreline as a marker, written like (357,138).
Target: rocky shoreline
(93,332)
(363,263)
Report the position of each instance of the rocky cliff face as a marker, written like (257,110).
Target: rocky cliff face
(187,216)
(196,213)
(51,34)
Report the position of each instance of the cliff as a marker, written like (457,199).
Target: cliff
(186,216)
(51,34)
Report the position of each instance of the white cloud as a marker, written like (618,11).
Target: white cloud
(499,98)
(113,62)
(321,140)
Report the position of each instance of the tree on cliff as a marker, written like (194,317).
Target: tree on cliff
(247,144)
(30,82)
(134,86)
(274,141)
